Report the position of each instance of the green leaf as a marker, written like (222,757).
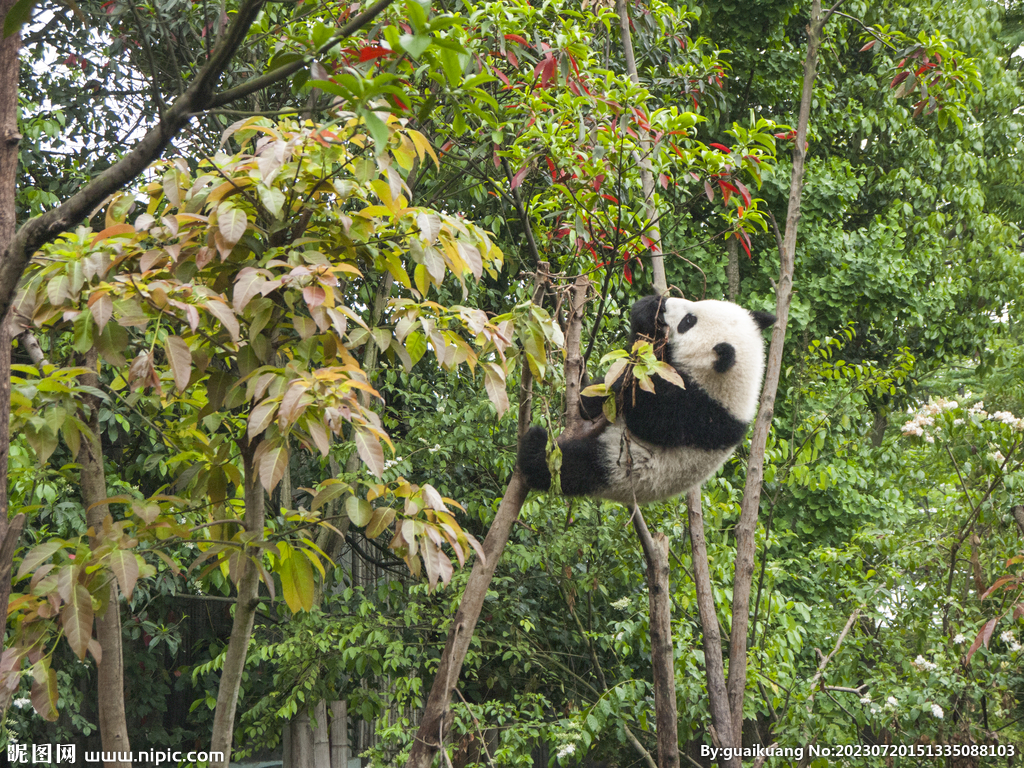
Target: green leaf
(297,581)
(231,222)
(261,417)
(38,555)
(77,618)
(381,519)
(358,510)
(19,14)
(378,130)
(415,45)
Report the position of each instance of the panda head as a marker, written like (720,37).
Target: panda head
(716,344)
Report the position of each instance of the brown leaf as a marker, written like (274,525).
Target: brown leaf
(179,357)
(370,451)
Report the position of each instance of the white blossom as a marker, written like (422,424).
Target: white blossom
(621,604)
(566,749)
(959,639)
(865,700)
(22,703)
(923,663)
(937,711)
(891,701)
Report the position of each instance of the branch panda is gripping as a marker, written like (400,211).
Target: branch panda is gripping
(666,443)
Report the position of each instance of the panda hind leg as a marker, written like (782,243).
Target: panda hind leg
(584,471)
(533,462)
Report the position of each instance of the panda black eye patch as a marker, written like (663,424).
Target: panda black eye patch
(726,356)
(687,323)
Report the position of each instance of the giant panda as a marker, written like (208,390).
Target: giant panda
(666,442)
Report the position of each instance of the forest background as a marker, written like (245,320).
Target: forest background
(285,269)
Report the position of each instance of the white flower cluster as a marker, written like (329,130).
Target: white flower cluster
(959,639)
(22,703)
(1008,418)
(565,750)
(621,604)
(922,663)
(937,711)
(925,417)
(891,702)
(1011,641)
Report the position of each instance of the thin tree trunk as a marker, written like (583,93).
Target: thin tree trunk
(718,695)
(245,613)
(10,530)
(110,667)
(747,526)
(434,725)
(659,281)
(666,717)
(732,267)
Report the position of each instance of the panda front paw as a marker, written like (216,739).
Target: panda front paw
(533,459)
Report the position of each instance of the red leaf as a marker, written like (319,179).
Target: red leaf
(372,52)
(598,180)
(709,191)
(899,79)
(520,175)
(868,46)
(721,148)
(744,239)
(984,635)
(744,192)
(628,274)
(728,190)
(447,145)
(551,167)
(663,180)
(518,39)
(501,76)
(611,198)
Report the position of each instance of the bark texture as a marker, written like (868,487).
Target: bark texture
(10,529)
(245,612)
(110,666)
(718,695)
(434,725)
(666,713)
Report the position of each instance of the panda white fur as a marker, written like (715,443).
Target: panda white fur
(666,443)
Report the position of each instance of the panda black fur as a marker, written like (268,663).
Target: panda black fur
(668,442)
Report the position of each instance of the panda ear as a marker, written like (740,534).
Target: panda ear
(643,318)
(726,356)
(763,319)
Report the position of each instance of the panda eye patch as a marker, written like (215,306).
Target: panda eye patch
(687,323)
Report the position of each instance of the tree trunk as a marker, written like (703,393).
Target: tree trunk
(10,530)
(747,526)
(732,267)
(656,554)
(718,695)
(433,726)
(245,613)
(340,750)
(110,667)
